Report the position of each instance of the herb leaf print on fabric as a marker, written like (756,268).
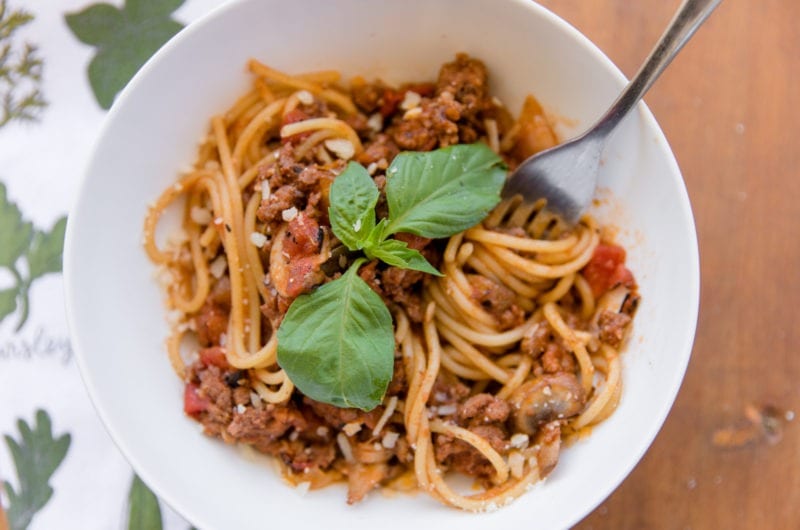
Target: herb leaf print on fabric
(36,455)
(21,242)
(144,512)
(20,70)
(125,38)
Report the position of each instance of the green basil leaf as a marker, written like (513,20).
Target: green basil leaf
(396,253)
(337,343)
(375,236)
(353,197)
(443,192)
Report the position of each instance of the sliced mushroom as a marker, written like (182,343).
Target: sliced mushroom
(279,264)
(292,275)
(545,399)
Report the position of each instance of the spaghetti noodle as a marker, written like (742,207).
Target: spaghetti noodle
(513,351)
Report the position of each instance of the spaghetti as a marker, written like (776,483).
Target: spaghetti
(512,352)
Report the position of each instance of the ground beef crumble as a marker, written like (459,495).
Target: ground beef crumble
(612,327)
(485,415)
(497,299)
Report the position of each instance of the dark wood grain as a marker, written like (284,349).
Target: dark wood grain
(730,107)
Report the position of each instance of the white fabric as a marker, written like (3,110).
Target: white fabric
(41,164)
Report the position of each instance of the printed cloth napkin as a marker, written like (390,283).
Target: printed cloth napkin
(62,62)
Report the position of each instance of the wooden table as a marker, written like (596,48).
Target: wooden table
(729,453)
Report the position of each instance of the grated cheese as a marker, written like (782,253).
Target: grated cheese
(446,410)
(351,428)
(391,404)
(258,239)
(289,213)
(342,148)
(411,100)
(519,440)
(344,447)
(375,122)
(390,440)
(412,113)
(305,97)
(218,266)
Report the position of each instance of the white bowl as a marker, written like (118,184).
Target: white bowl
(115,306)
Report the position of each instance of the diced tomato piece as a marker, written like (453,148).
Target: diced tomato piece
(621,276)
(391,100)
(193,403)
(607,269)
(214,356)
(302,275)
(303,237)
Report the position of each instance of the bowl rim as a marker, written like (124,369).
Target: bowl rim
(71,260)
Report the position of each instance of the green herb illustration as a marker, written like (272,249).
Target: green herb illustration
(337,343)
(144,512)
(27,253)
(20,70)
(125,38)
(36,456)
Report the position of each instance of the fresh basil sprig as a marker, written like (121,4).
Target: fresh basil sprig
(336,344)
(353,196)
(443,192)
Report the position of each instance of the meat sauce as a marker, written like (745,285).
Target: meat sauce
(303,433)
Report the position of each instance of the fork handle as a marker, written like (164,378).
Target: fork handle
(690,15)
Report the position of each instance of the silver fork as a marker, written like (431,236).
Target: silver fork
(566,175)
